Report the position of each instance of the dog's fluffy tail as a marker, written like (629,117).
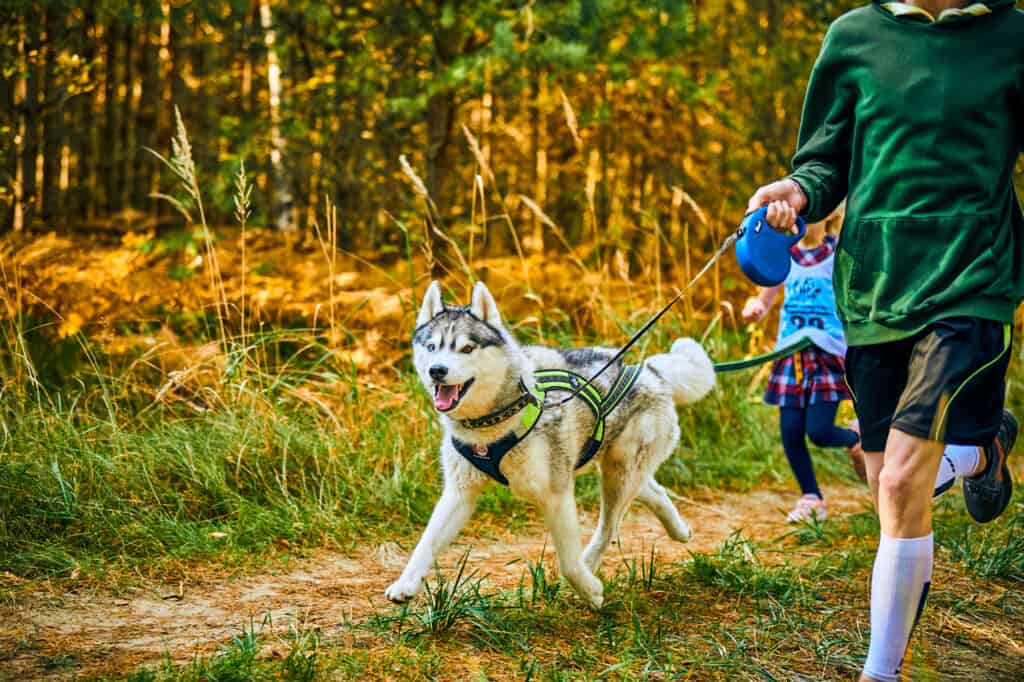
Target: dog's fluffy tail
(687,369)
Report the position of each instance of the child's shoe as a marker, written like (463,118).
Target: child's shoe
(808,508)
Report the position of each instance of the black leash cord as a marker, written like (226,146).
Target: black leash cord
(651,322)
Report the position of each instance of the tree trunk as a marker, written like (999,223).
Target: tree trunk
(53,119)
(146,115)
(440,119)
(8,120)
(112,152)
(29,118)
(130,108)
(281,211)
(245,52)
(165,100)
(540,155)
(87,137)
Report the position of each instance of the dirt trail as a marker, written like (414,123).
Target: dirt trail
(45,634)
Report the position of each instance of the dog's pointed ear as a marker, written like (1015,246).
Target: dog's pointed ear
(483,305)
(432,304)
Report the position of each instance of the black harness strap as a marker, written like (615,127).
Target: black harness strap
(487,458)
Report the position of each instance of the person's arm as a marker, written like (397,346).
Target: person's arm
(821,165)
(822,161)
(757,307)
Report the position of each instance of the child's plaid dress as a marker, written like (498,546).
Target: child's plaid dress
(810,376)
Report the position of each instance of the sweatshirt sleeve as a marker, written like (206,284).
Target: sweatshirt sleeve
(821,165)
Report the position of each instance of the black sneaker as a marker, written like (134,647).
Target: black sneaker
(988,493)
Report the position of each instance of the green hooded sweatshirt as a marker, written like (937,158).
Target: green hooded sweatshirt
(920,123)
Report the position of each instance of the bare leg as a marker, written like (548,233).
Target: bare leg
(873,467)
(562,523)
(905,485)
(449,516)
(653,496)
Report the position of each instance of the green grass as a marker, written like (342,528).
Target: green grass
(95,478)
(749,610)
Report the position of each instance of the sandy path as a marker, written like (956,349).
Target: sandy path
(48,634)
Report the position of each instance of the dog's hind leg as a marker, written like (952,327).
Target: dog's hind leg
(653,496)
(618,488)
(563,524)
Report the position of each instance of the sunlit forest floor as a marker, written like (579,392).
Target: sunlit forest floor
(208,478)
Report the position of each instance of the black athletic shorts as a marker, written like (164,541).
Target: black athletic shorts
(945,383)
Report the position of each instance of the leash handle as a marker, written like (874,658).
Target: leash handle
(651,322)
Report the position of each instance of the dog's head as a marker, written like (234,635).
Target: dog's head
(463,354)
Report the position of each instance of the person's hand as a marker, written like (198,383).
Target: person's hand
(754,310)
(781,216)
(784,199)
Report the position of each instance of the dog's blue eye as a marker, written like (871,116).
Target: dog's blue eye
(431,348)
(468,349)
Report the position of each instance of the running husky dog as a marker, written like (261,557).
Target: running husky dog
(499,423)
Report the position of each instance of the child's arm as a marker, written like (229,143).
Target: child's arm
(822,161)
(758,306)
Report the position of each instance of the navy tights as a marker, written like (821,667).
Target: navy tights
(817,422)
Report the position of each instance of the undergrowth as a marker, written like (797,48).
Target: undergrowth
(100,477)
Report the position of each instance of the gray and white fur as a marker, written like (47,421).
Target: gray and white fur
(471,364)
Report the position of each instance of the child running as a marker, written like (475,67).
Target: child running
(808,385)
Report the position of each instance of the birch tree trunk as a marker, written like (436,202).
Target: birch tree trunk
(282,199)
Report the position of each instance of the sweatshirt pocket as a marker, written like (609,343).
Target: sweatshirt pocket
(902,267)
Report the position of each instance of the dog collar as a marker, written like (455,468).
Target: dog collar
(507,412)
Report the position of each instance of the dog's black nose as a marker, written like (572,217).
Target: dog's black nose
(438,372)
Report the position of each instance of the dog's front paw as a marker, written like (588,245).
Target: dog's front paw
(595,599)
(403,590)
(682,532)
(592,591)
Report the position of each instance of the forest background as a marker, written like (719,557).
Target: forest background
(598,110)
(216,223)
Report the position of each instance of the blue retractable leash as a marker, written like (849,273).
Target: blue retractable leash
(763,255)
(762,251)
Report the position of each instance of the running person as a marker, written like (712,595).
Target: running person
(916,112)
(808,385)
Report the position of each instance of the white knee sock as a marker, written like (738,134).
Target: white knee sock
(899,586)
(957,461)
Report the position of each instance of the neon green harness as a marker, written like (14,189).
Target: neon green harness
(487,458)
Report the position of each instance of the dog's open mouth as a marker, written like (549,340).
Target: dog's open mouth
(447,396)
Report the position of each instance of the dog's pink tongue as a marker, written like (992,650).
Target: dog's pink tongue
(446,397)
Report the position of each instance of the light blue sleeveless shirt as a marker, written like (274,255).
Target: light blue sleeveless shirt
(809,308)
